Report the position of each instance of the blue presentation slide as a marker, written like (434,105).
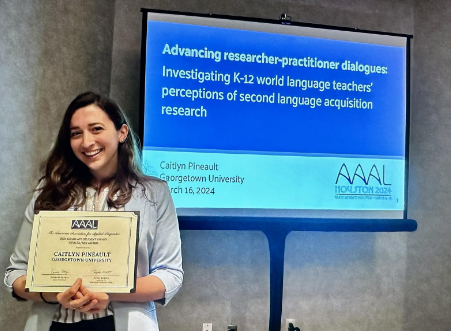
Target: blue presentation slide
(247,119)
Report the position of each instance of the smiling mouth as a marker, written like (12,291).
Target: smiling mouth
(93,153)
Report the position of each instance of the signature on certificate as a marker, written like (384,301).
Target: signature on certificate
(59,272)
(101,272)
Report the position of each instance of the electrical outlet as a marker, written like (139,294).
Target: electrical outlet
(207,327)
(292,321)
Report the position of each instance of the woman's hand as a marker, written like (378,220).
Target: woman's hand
(101,299)
(73,298)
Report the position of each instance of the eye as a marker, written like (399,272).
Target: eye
(74,134)
(97,128)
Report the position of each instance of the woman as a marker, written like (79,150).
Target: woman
(95,166)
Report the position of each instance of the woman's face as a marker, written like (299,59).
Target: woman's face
(94,140)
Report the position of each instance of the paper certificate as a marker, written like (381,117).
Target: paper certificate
(99,247)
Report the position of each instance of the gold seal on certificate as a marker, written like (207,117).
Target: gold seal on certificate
(99,247)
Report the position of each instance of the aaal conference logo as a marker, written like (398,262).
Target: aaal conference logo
(359,175)
(85,224)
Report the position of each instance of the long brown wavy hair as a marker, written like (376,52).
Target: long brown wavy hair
(66,177)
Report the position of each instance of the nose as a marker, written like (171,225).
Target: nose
(87,140)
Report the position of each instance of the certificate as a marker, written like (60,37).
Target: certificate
(98,247)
